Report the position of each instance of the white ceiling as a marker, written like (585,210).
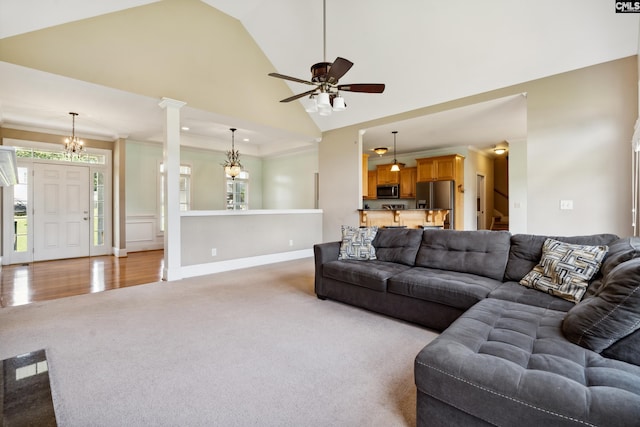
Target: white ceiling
(425,51)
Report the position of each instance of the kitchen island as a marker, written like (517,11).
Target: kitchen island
(409,218)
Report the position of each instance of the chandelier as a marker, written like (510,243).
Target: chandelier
(74,145)
(232,166)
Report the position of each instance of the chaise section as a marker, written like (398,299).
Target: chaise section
(504,363)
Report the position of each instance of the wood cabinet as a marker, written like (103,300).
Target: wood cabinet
(408,182)
(372,178)
(441,168)
(385,176)
(446,168)
(365,175)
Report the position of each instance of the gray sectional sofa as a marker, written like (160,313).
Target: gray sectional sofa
(508,354)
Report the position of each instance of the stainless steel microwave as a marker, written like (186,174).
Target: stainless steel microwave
(388,191)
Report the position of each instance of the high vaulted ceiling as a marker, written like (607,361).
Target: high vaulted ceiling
(425,51)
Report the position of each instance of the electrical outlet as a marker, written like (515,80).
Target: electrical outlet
(566,204)
(290,242)
(214,251)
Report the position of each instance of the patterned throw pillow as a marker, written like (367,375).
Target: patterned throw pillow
(565,269)
(356,243)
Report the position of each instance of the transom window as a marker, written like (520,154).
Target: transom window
(59,155)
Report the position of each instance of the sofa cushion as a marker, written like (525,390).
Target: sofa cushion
(356,243)
(398,245)
(625,349)
(526,251)
(565,269)
(514,357)
(368,274)
(513,291)
(612,314)
(459,290)
(476,252)
(620,250)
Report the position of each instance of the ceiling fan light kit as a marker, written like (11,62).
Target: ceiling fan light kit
(325,97)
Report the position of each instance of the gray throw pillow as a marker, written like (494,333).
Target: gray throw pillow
(612,314)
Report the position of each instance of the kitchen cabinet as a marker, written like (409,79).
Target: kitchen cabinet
(408,182)
(385,176)
(372,178)
(446,168)
(441,168)
(365,175)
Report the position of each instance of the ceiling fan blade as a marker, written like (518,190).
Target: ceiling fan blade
(363,87)
(293,79)
(338,69)
(300,95)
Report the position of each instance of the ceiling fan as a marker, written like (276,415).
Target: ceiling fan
(325,96)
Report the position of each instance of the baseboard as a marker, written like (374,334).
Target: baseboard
(235,264)
(119,253)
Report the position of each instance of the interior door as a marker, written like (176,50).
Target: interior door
(481,221)
(61,211)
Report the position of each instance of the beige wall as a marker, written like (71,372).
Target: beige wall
(578,148)
(247,234)
(153,49)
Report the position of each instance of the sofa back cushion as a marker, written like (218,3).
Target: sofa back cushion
(526,251)
(611,314)
(620,250)
(483,252)
(398,245)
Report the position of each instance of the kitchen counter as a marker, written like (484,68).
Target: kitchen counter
(412,209)
(409,218)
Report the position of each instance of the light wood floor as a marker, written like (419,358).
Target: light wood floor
(40,281)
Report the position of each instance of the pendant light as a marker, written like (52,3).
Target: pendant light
(73,146)
(395,167)
(232,166)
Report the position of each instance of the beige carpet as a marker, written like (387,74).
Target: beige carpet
(253,347)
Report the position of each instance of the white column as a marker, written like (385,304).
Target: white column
(171,160)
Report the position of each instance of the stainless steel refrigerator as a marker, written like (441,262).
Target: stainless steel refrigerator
(436,195)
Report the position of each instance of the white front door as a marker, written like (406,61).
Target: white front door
(61,211)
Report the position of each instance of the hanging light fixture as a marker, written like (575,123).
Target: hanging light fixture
(395,167)
(232,166)
(73,146)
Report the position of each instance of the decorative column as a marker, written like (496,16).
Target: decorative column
(171,161)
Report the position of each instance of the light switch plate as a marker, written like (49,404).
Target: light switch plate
(566,204)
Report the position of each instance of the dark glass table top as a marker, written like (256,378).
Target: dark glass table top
(25,392)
